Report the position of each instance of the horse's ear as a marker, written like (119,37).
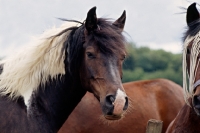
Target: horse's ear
(192,14)
(91,20)
(120,22)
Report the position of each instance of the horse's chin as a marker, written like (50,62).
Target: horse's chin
(113,117)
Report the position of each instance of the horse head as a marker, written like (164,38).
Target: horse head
(99,59)
(191,58)
(101,70)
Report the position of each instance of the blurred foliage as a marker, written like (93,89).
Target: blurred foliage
(145,63)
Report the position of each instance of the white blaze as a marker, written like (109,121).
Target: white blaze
(119,102)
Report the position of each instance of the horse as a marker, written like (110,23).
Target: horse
(41,85)
(145,103)
(188,120)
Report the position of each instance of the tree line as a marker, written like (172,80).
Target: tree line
(145,63)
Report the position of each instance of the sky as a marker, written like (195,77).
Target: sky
(158,24)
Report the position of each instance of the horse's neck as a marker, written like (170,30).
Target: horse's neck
(186,121)
(50,107)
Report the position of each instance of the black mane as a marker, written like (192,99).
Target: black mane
(192,29)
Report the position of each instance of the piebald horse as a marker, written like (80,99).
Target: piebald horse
(188,119)
(159,99)
(40,86)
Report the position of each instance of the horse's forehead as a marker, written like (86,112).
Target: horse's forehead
(193,43)
(90,46)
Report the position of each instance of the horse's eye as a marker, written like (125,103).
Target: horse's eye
(90,55)
(188,51)
(124,57)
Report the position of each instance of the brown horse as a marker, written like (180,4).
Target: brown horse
(41,86)
(159,99)
(188,120)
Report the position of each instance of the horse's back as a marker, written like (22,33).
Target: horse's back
(159,99)
(163,98)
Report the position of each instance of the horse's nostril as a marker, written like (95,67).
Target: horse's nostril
(109,100)
(196,102)
(126,104)
(109,106)
(112,99)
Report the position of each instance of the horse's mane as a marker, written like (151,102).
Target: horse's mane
(192,29)
(25,71)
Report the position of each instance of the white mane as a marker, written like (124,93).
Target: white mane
(24,72)
(195,50)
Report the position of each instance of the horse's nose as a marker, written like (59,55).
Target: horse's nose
(196,102)
(111,104)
